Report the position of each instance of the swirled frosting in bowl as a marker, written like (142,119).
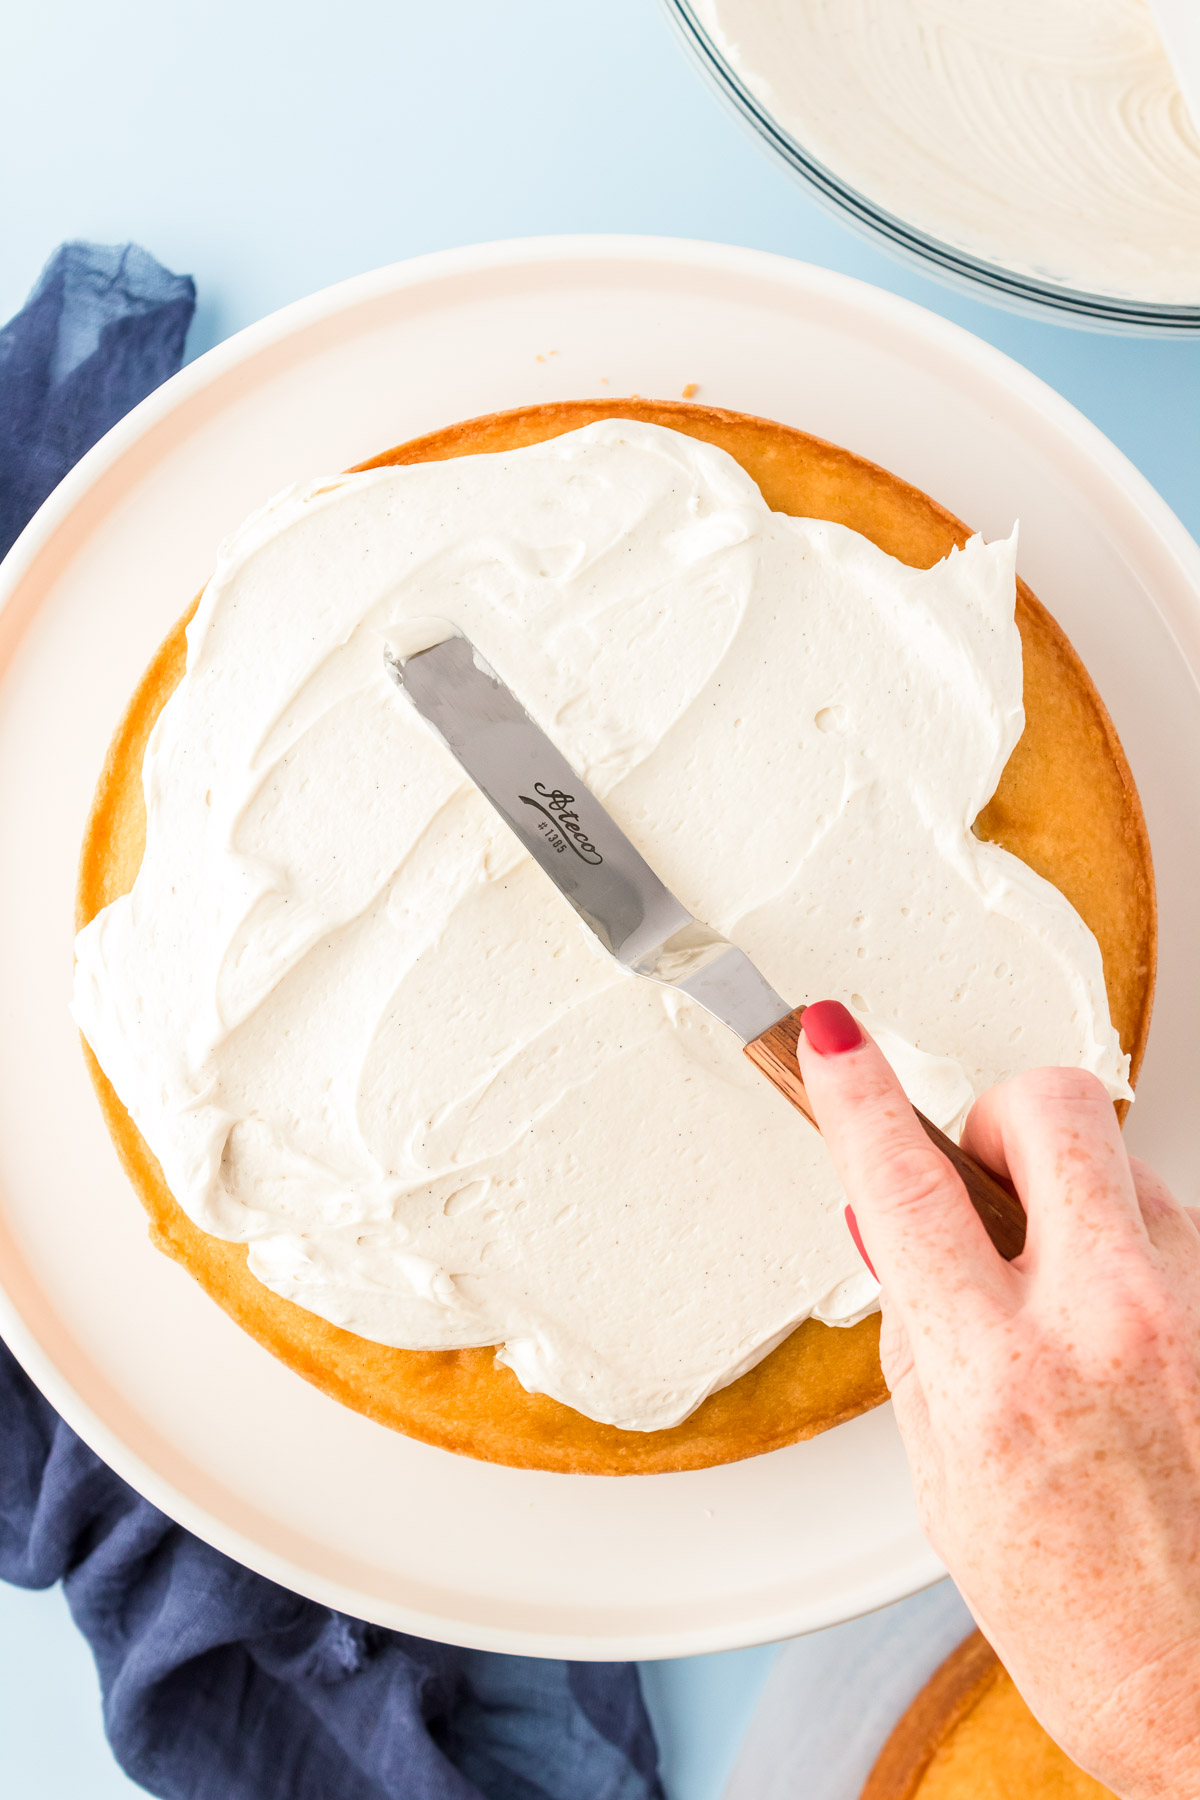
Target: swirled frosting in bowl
(366,1036)
(1047,136)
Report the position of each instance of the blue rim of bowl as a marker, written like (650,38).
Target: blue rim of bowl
(969,274)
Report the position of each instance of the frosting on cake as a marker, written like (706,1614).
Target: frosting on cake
(365,1035)
(1049,136)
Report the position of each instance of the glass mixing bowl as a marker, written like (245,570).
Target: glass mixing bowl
(1018,292)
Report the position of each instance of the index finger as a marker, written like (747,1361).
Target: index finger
(917,1223)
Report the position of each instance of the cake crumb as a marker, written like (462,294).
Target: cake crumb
(691,390)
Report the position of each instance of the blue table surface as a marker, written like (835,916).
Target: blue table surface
(271,151)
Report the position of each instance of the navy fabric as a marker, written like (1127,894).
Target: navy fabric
(104,325)
(217,1684)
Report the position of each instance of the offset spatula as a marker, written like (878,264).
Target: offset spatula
(616,892)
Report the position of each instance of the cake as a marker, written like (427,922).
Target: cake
(969,1736)
(1065,805)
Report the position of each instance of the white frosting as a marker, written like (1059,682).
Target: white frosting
(364,1034)
(1049,136)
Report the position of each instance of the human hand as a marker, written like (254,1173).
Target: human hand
(1050,1407)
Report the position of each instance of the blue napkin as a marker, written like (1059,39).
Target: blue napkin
(217,1684)
(104,325)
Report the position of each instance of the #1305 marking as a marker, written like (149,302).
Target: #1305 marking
(559,823)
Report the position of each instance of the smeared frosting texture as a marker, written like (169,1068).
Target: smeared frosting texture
(1049,136)
(365,1035)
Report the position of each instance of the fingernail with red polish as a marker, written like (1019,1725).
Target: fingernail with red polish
(852,1222)
(829,1028)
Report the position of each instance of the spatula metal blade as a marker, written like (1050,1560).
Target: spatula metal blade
(573,838)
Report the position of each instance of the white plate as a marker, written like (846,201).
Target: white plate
(140,1362)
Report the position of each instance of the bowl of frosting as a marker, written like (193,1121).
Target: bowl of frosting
(1041,152)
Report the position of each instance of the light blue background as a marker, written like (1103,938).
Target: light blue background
(271,150)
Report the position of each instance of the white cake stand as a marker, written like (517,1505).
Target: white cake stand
(141,1363)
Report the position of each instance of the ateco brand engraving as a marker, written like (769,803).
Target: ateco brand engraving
(559,823)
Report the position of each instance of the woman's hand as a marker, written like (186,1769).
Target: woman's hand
(1050,1407)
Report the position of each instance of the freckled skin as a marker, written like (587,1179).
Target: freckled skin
(1050,1407)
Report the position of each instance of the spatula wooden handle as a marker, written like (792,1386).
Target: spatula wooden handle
(994,1199)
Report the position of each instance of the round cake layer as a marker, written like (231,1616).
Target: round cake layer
(1066,805)
(968,1735)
